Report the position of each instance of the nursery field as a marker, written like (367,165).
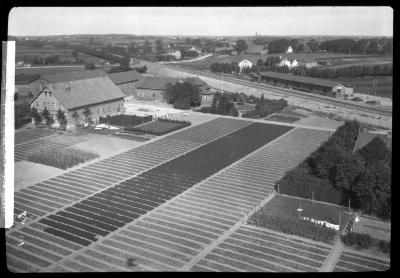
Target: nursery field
(261,250)
(173,177)
(126,201)
(25,135)
(176,233)
(41,140)
(352,261)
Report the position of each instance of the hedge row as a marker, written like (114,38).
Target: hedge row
(294,226)
(125,120)
(365,241)
(178,125)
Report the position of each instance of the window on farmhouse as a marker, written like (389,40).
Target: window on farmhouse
(104,109)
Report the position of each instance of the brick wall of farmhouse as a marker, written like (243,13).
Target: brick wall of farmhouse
(98,110)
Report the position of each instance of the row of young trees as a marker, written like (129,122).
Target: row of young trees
(45,115)
(228,68)
(337,175)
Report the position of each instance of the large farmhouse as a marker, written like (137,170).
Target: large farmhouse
(76,91)
(303,83)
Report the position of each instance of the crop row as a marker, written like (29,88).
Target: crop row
(76,185)
(23,150)
(26,135)
(128,200)
(200,215)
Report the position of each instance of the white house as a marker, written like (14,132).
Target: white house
(176,54)
(244,64)
(290,64)
(289,50)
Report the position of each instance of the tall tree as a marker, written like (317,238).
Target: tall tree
(241,46)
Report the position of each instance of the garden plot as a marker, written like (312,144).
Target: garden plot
(23,150)
(183,227)
(259,249)
(25,135)
(357,261)
(126,201)
(78,184)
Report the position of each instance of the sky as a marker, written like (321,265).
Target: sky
(201,21)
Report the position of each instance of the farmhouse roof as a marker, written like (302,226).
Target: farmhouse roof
(156,83)
(84,92)
(365,137)
(72,76)
(125,76)
(301,79)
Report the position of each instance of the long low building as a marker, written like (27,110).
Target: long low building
(304,83)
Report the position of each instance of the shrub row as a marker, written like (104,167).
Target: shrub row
(174,121)
(178,125)
(125,120)
(63,159)
(365,241)
(294,226)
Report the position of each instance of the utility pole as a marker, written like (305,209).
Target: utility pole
(312,197)
(340,219)
(349,203)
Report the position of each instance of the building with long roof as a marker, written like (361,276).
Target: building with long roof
(304,83)
(76,91)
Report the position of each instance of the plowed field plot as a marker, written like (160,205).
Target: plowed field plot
(77,184)
(351,261)
(171,236)
(255,249)
(23,150)
(123,203)
(48,196)
(28,134)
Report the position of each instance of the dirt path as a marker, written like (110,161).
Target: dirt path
(333,257)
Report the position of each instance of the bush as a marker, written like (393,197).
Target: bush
(294,226)
(155,129)
(183,104)
(384,246)
(63,159)
(365,241)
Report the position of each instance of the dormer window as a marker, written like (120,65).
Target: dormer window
(49,94)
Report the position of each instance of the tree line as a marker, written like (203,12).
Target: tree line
(336,175)
(272,64)
(379,46)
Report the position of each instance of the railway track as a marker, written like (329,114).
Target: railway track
(293,93)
